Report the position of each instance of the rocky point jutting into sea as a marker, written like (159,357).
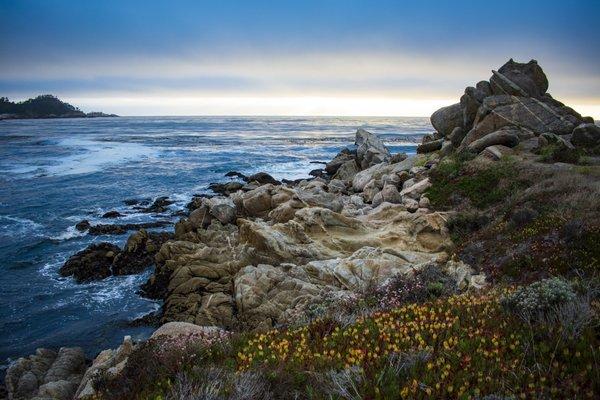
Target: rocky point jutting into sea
(261,255)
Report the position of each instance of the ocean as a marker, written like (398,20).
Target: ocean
(57,172)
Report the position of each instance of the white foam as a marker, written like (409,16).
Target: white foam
(17,226)
(92,156)
(70,233)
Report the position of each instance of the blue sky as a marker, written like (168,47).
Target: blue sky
(283,57)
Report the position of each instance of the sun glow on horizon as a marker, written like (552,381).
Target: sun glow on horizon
(348,106)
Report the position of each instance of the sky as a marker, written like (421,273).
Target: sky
(330,57)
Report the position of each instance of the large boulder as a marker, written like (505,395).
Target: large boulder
(347,171)
(519,79)
(586,135)
(138,253)
(46,375)
(446,119)
(428,147)
(507,136)
(341,158)
(93,263)
(528,113)
(109,363)
(370,149)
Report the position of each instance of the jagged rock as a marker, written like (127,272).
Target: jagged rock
(336,186)
(586,135)
(530,114)
(446,119)
(107,362)
(519,79)
(415,191)
(388,194)
(347,171)
(506,136)
(428,147)
(46,375)
(112,214)
(160,205)
(83,225)
(93,263)
(370,149)
(341,158)
(550,138)
(222,208)
(262,178)
(370,190)
(257,202)
(138,253)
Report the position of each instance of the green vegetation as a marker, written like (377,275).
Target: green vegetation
(458,347)
(483,187)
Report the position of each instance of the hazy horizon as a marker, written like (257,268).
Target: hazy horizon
(329,58)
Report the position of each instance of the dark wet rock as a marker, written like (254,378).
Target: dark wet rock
(342,157)
(136,202)
(263,178)
(160,205)
(112,214)
(93,263)
(119,229)
(586,135)
(225,188)
(139,252)
(151,319)
(83,225)
(235,174)
(317,172)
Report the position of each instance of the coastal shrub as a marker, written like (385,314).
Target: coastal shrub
(556,152)
(457,347)
(539,297)
(426,284)
(462,225)
(456,179)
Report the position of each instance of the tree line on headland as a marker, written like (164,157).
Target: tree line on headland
(43,106)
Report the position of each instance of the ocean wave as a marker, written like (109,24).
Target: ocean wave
(17,226)
(70,233)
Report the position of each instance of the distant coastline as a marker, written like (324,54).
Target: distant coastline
(44,107)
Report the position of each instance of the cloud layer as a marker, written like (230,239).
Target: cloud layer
(292,57)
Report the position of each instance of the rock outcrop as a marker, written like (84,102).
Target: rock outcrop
(101,260)
(275,248)
(512,107)
(46,375)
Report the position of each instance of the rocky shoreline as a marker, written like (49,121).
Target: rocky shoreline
(259,254)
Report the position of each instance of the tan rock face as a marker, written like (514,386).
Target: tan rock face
(328,251)
(46,374)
